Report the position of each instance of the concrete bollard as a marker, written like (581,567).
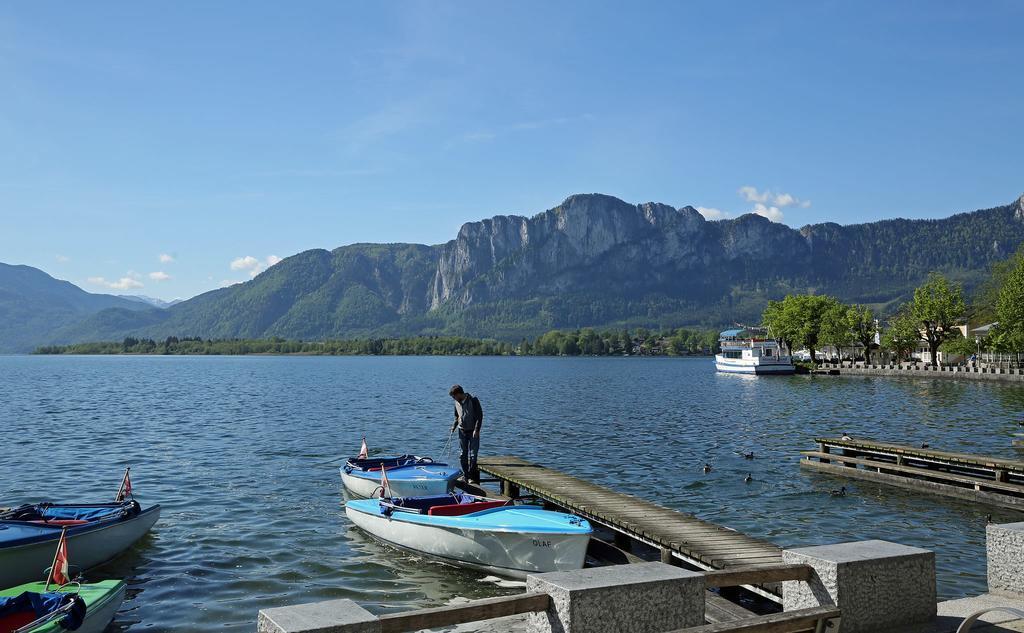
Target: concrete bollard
(879,587)
(1004,546)
(331,616)
(637,598)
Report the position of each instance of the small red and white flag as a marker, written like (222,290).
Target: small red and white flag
(384,485)
(363,453)
(59,570)
(125,490)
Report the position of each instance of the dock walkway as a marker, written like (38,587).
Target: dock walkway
(978,478)
(677,534)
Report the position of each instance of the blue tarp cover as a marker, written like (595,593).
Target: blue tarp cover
(40,604)
(56,513)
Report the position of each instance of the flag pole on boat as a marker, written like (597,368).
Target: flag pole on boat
(62,554)
(125,489)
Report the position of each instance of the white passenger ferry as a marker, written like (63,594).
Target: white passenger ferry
(750,351)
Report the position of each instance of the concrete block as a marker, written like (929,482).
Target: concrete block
(331,616)
(637,598)
(879,587)
(1005,550)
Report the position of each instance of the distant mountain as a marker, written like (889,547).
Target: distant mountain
(152,301)
(33,305)
(593,260)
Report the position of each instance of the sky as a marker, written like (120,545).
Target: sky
(167,149)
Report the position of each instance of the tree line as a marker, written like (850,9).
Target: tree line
(583,342)
(932,316)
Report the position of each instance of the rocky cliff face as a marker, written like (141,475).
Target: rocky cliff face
(593,260)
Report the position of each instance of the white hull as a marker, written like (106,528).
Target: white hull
(513,554)
(28,563)
(732,366)
(365,488)
(98,618)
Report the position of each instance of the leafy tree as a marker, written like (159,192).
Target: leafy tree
(836,329)
(1010,307)
(903,334)
(863,327)
(937,306)
(958,344)
(798,319)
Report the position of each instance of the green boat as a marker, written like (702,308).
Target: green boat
(30,608)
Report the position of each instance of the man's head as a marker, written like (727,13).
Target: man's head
(457,393)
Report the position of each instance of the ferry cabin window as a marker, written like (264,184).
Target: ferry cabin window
(766,352)
(736,354)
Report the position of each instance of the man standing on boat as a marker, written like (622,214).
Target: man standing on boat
(469,417)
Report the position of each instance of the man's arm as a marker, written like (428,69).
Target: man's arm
(456,422)
(479,416)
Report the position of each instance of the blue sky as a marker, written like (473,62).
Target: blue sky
(168,149)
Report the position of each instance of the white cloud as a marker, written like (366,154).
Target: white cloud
(166,259)
(245,263)
(124,283)
(252,265)
(224,283)
(63,259)
(711,214)
(772,213)
(159,276)
(750,194)
(778,199)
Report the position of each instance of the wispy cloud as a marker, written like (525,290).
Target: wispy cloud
(62,259)
(483,136)
(253,265)
(767,203)
(165,258)
(778,199)
(711,213)
(159,275)
(124,283)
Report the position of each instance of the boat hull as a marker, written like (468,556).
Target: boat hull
(25,563)
(363,485)
(102,600)
(508,553)
(727,367)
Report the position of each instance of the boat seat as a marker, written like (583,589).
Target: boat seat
(459,509)
(60,522)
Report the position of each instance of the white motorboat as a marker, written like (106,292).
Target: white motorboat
(751,351)
(488,535)
(408,476)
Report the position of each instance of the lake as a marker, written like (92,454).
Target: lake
(239,450)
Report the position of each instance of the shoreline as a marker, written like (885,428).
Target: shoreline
(924,371)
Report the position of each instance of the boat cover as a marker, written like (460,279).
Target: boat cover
(43,521)
(29,606)
(371,464)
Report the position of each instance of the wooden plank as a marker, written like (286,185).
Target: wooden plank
(917,470)
(718,609)
(786,622)
(474,611)
(756,575)
(919,485)
(926,453)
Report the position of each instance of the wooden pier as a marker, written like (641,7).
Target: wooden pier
(676,534)
(978,478)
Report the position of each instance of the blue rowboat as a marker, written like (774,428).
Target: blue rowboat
(408,476)
(484,534)
(95,532)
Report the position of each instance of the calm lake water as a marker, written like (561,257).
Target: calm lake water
(234,449)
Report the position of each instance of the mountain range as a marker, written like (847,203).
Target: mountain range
(593,260)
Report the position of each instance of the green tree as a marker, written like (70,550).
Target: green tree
(863,328)
(1010,307)
(903,334)
(937,307)
(836,329)
(797,320)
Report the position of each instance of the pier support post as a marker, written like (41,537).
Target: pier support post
(331,616)
(638,598)
(879,587)
(1005,550)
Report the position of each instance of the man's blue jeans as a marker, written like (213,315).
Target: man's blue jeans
(470,447)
